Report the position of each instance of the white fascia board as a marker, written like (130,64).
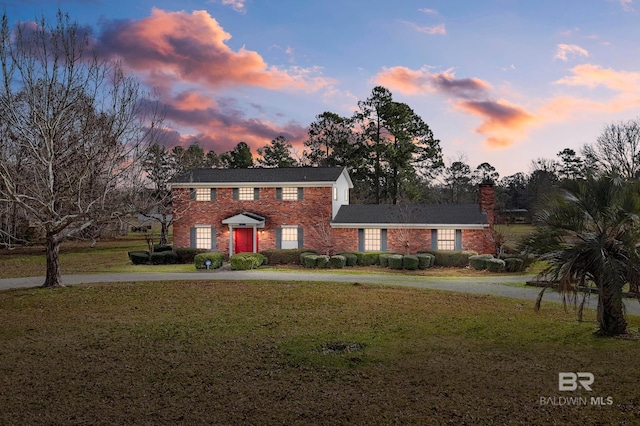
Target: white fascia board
(409,226)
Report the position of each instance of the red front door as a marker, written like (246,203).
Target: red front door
(243,240)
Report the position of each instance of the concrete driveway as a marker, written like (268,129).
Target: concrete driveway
(492,285)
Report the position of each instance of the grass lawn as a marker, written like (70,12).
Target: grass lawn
(301,353)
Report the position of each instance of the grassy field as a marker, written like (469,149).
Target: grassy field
(300,353)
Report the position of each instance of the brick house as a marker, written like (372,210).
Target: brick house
(248,210)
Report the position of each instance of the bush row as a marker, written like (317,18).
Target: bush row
(488,262)
(410,262)
(155,258)
(164,255)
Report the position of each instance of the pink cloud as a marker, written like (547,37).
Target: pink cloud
(503,123)
(192,47)
(439,29)
(593,75)
(220,125)
(564,50)
(412,82)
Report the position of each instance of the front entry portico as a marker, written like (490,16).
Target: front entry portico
(243,232)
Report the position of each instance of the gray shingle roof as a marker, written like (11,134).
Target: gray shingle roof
(443,214)
(260,175)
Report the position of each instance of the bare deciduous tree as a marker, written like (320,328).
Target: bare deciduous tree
(617,150)
(72,133)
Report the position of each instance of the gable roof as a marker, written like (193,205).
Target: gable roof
(410,215)
(261,175)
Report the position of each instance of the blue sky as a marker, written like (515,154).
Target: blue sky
(498,81)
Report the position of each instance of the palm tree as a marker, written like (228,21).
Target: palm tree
(589,233)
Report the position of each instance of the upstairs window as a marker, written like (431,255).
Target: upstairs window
(202,194)
(290,194)
(246,194)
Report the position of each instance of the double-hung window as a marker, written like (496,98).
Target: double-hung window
(446,239)
(290,194)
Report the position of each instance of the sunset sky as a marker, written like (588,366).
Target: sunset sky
(498,81)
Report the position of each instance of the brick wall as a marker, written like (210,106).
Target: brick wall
(315,206)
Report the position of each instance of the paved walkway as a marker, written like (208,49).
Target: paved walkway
(492,285)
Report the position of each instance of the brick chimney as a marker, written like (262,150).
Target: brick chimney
(487,201)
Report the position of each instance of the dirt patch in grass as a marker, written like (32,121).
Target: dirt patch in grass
(299,353)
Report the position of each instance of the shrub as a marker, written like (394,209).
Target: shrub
(425,260)
(322,261)
(410,262)
(139,257)
(395,261)
(159,249)
(284,256)
(310,260)
(187,254)
(305,254)
(216,258)
(368,258)
(451,258)
(337,261)
(514,264)
(244,261)
(352,259)
(495,265)
(383,259)
(170,258)
(157,258)
(479,261)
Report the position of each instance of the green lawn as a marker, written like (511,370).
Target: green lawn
(300,353)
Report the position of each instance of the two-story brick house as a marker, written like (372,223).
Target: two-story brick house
(247,210)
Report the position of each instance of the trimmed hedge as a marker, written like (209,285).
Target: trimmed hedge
(187,254)
(479,261)
(304,254)
(514,264)
(368,258)
(310,260)
(244,261)
(495,265)
(284,256)
(352,259)
(163,258)
(216,258)
(451,258)
(383,259)
(410,262)
(425,260)
(337,261)
(322,261)
(158,248)
(395,261)
(139,257)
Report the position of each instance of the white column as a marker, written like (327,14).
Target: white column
(230,240)
(255,239)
